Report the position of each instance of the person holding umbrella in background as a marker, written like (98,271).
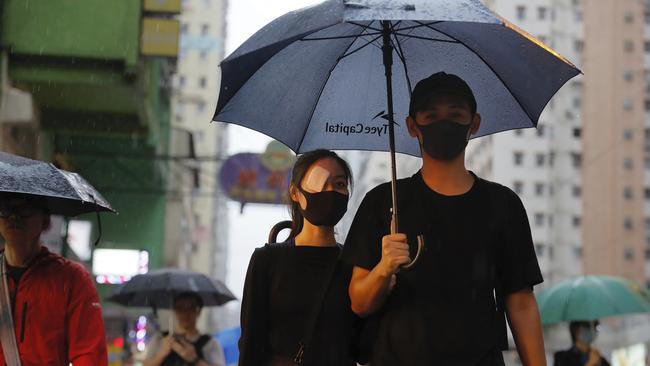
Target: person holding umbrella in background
(57,316)
(583,334)
(479,261)
(187,347)
(50,313)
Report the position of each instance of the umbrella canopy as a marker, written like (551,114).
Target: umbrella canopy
(159,287)
(591,298)
(66,193)
(316,77)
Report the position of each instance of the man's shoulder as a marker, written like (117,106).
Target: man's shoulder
(498,191)
(403,186)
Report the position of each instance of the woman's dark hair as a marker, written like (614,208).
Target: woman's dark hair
(304,162)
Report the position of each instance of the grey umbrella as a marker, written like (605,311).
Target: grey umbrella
(66,193)
(158,288)
(323,76)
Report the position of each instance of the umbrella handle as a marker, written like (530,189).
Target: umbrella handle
(393,230)
(413,261)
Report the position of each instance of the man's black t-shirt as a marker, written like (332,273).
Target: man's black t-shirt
(448,309)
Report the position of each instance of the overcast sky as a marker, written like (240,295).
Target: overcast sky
(250,229)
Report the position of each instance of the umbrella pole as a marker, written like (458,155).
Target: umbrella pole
(387,50)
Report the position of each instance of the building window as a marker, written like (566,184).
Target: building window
(628,75)
(628,46)
(550,253)
(551,190)
(646,193)
(181,81)
(518,158)
(576,191)
(203,82)
(628,134)
(576,160)
(627,193)
(551,158)
(521,12)
(647,105)
(628,163)
(629,17)
(539,189)
(628,224)
(628,104)
(203,55)
(629,254)
(185,28)
(540,130)
(576,221)
(539,219)
(577,252)
(647,17)
(540,158)
(646,46)
(518,187)
(200,107)
(541,13)
(578,15)
(577,132)
(578,45)
(205,29)
(577,102)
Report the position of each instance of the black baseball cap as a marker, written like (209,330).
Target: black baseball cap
(440,83)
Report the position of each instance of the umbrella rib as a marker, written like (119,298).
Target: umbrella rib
(341,37)
(400,53)
(420,25)
(359,48)
(491,68)
(366,26)
(425,38)
(329,74)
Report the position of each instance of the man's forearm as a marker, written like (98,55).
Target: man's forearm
(368,290)
(526,327)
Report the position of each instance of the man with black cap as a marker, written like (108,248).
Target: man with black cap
(479,263)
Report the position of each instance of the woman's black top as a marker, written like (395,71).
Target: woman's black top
(283,283)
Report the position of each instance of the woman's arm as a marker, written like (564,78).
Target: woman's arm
(254,311)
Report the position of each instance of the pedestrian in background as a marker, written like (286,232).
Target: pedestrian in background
(187,346)
(56,313)
(581,353)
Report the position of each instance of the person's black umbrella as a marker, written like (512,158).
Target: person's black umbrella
(326,76)
(158,288)
(65,193)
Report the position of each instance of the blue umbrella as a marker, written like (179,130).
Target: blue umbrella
(327,76)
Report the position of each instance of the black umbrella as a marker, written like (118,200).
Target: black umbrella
(66,193)
(158,288)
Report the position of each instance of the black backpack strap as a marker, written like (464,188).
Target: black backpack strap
(200,343)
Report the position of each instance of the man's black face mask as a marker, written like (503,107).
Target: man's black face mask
(444,139)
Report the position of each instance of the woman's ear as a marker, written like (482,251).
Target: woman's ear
(293,193)
(476,124)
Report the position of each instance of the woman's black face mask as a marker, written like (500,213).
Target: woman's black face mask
(324,208)
(444,139)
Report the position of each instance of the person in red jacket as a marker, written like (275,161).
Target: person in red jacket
(57,315)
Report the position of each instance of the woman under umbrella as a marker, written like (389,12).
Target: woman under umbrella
(296,308)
